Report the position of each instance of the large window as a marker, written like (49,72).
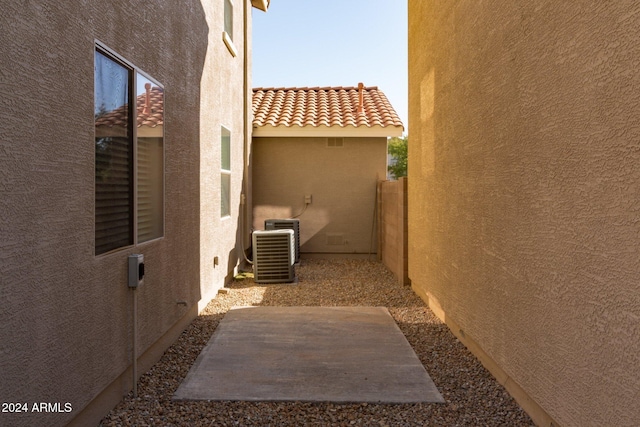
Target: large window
(225,173)
(129,155)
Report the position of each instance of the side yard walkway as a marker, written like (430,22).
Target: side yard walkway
(472,395)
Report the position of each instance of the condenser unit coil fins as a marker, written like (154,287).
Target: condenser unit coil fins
(286,224)
(273,256)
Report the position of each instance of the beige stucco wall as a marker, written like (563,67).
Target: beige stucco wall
(524,193)
(221,104)
(66,314)
(340,180)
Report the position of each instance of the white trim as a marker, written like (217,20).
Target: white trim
(326,131)
(227,40)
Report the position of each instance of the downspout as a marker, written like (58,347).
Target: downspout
(247,132)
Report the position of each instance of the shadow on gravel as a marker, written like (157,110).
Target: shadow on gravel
(330,283)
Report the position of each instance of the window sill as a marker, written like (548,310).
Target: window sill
(227,41)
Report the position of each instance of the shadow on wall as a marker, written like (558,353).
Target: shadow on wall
(326,226)
(317,231)
(312,219)
(239,257)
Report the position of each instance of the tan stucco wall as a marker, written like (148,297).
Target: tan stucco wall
(66,315)
(342,183)
(392,228)
(524,193)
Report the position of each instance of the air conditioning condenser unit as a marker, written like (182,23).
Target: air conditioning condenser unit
(286,224)
(273,256)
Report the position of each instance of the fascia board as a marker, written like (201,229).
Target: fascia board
(326,131)
(263,5)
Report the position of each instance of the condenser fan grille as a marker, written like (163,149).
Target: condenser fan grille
(273,259)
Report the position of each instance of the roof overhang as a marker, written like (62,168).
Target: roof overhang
(327,131)
(261,4)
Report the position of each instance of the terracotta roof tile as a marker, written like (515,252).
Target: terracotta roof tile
(322,106)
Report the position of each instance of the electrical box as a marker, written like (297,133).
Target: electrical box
(136,270)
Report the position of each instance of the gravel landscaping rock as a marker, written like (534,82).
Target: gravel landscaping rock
(472,395)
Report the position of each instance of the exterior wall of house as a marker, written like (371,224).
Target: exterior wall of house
(221,105)
(66,314)
(341,181)
(523,195)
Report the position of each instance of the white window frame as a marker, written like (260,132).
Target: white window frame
(225,173)
(227,36)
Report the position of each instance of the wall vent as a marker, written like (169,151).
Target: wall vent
(273,256)
(335,142)
(286,224)
(335,239)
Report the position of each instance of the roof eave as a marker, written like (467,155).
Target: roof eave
(327,131)
(263,5)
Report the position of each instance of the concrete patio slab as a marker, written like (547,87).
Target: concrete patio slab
(317,354)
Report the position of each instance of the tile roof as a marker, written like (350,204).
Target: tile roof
(149,114)
(323,106)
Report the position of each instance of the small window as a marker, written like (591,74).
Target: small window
(228,18)
(227,34)
(225,173)
(129,155)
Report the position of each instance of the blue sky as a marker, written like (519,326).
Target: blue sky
(333,43)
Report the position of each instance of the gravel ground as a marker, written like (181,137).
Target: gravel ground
(473,397)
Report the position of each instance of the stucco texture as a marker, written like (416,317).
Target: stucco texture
(66,314)
(222,104)
(340,180)
(524,193)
